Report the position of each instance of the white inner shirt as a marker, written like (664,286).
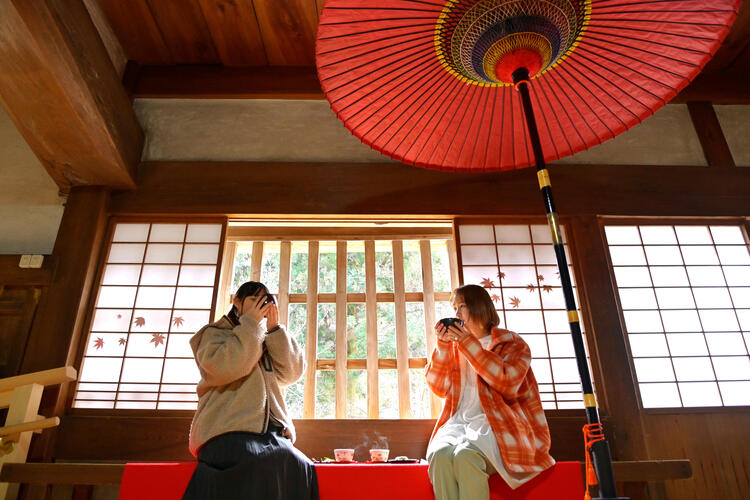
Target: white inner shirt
(469,424)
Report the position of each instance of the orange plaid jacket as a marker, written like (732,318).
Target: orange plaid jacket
(508,393)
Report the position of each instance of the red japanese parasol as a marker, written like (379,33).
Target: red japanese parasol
(452,85)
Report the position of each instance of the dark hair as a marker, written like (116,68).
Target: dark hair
(247,289)
(479,304)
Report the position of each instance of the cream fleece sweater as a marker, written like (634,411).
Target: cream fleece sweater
(242,370)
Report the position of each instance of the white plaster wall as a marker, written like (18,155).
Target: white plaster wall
(735,123)
(30,206)
(665,138)
(307,130)
(247,130)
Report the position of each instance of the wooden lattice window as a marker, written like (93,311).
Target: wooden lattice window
(684,291)
(367,331)
(156,288)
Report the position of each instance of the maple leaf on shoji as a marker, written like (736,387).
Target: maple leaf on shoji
(547,288)
(495,297)
(140,321)
(177,321)
(122,341)
(487,283)
(515,301)
(531,287)
(99,343)
(157,338)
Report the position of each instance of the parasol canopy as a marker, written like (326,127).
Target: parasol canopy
(428,82)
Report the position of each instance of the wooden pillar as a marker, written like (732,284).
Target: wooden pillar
(58,326)
(615,385)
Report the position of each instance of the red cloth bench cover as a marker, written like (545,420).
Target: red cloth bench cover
(167,481)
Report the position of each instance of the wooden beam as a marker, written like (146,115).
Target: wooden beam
(285,82)
(392,189)
(12,275)
(731,87)
(712,139)
(252,233)
(221,82)
(64,95)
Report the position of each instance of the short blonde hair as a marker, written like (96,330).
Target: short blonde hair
(479,304)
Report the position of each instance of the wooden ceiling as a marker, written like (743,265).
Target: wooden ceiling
(241,33)
(227,32)
(266,49)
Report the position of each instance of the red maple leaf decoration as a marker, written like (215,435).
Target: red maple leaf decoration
(487,283)
(547,288)
(495,298)
(99,343)
(540,277)
(177,321)
(157,338)
(122,341)
(515,301)
(531,287)
(501,275)
(140,321)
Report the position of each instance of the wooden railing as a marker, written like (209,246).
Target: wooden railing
(22,395)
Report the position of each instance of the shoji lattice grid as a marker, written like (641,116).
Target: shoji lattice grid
(685,297)
(517,266)
(155,292)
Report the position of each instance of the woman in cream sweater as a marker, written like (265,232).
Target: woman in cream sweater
(241,432)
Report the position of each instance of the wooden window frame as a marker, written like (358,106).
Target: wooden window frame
(371,298)
(742,222)
(94,296)
(567,223)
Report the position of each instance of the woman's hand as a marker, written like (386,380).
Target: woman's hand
(272,316)
(455,333)
(441,332)
(253,308)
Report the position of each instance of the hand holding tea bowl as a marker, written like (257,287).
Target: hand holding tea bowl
(379,455)
(344,454)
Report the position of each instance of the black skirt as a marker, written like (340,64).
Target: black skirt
(243,465)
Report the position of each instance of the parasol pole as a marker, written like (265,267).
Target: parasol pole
(599,449)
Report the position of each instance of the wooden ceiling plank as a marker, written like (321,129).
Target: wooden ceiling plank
(136,29)
(64,95)
(184,30)
(235,32)
(289,28)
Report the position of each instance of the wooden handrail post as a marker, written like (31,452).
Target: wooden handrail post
(24,405)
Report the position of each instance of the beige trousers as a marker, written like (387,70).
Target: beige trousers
(460,473)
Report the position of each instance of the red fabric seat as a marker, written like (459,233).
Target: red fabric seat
(167,481)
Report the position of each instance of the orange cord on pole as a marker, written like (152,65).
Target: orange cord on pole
(591,434)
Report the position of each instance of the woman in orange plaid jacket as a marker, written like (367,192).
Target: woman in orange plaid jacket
(492,420)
